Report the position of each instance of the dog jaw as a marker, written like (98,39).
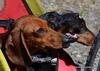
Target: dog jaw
(86,38)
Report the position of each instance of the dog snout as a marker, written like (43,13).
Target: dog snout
(86,38)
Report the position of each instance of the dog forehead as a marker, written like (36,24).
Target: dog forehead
(31,23)
(40,22)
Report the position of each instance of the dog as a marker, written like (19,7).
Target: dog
(70,24)
(29,36)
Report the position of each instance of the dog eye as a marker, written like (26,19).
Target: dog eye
(40,30)
(39,33)
(82,25)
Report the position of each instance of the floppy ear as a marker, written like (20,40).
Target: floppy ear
(16,49)
(24,50)
(12,52)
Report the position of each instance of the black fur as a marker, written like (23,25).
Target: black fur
(54,19)
(71,21)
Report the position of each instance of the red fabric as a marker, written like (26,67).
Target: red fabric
(13,9)
(2,30)
(65,63)
(62,66)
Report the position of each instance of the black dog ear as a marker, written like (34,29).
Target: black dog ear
(54,19)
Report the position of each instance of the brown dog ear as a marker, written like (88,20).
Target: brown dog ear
(24,50)
(12,52)
(16,49)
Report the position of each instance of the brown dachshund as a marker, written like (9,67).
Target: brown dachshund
(30,35)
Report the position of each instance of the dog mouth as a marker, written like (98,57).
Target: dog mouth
(69,38)
(72,35)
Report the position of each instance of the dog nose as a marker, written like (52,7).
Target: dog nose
(65,41)
(65,38)
(69,39)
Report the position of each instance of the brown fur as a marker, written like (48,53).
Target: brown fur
(86,38)
(30,35)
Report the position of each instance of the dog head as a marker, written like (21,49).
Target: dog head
(75,25)
(54,19)
(30,35)
(70,24)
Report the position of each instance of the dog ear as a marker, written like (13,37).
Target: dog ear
(12,52)
(24,50)
(16,49)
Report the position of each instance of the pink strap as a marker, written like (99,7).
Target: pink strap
(68,66)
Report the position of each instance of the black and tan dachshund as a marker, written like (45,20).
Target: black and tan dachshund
(70,24)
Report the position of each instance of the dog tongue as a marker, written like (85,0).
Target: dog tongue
(71,35)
